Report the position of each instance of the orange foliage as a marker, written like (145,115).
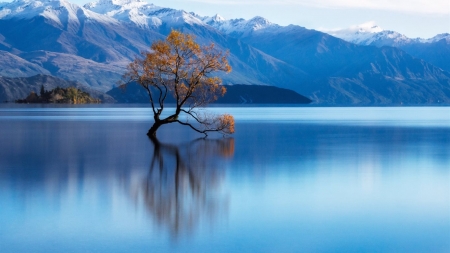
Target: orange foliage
(226,123)
(180,67)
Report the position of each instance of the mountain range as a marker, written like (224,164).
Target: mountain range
(92,44)
(434,50)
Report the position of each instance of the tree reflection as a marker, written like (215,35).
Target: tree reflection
(181,189)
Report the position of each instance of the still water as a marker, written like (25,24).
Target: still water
(87,179)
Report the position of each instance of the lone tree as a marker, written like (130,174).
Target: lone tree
(181,68)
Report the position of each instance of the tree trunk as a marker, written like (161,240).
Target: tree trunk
(152,131)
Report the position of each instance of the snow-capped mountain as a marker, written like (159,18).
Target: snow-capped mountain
(61,12)
(145,14)
(238,27)
(85,45)
(435,50)
(141,13)
(439,37)
(94,43)
(371,34)
(68,40)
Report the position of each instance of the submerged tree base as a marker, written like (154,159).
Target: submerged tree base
(151,133)
(209,123)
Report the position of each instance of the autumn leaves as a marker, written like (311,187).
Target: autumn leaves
(180,67)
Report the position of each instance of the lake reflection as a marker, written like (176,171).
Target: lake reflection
(181,187)
(300,180)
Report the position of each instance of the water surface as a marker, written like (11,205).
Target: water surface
(86,179)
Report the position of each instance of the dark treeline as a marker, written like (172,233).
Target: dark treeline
(70,95)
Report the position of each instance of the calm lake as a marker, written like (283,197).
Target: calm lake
(292,179)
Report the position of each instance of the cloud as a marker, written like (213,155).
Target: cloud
(415,6)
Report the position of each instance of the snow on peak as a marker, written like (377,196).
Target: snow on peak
(125,2)
(107,5)
(135,11)
(368,27)
(214,21)
(357,32)
(61,12)
(141,13)
(218,18)
(238,26)
(370,34)
(259,22)
(439,37)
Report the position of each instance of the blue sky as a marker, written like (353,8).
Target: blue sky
(414,18)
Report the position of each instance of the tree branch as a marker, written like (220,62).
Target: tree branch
(195,129)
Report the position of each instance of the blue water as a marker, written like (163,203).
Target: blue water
(87,179)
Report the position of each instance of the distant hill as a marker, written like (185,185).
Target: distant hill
(260,94)
(12,89)
(236,94)
(70,95)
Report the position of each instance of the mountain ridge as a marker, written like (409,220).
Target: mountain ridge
(369,33)
(435,50)
(93,48)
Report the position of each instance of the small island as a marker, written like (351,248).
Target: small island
(70,95)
